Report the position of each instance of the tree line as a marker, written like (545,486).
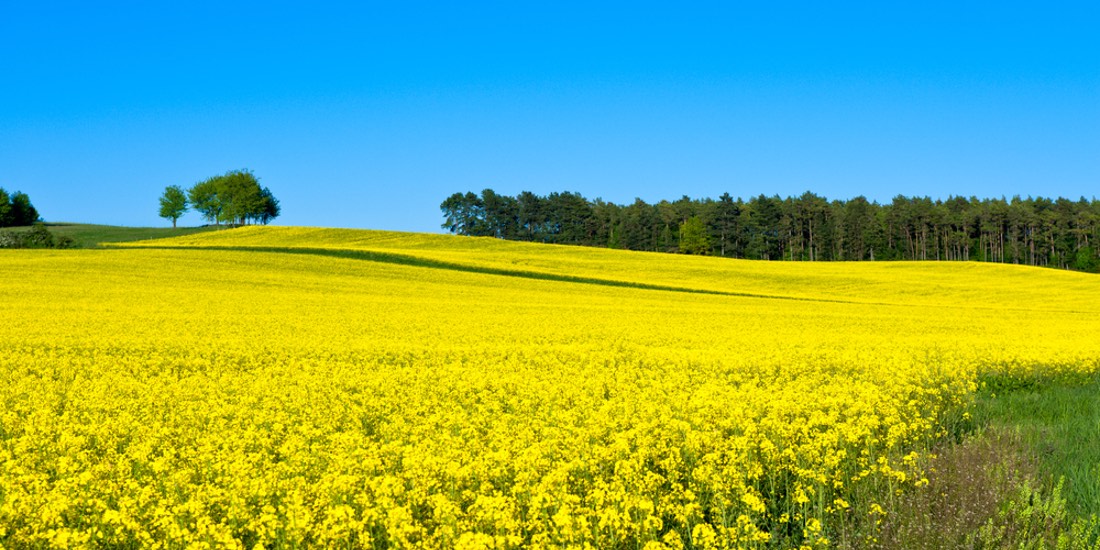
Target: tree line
(16,209)
(235,197)
(1036,231)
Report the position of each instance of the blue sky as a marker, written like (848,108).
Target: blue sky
(370,114)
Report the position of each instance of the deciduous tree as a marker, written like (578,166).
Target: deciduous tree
(234,197)
(173,203)
(693,236)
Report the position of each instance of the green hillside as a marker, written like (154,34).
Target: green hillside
(92,235)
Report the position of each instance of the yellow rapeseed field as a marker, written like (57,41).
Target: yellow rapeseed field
(298,387)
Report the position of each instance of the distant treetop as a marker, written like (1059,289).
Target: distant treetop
(16,209)
(1033,231)
(235,197)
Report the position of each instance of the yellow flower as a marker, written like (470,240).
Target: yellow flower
(340,388)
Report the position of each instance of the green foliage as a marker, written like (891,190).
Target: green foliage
(988,491)
(240,195)
(90,236)
(693,237)
(10,239)
(1029,519)
(1083,534)
(614,240)
(36,237)
(270,206)
(1028,476)
(204,199)
(1060,422)
(1086,260)
(16,209)
(173,203)
(5,208)
(464,214)
(72,235)
(234,197)
(22,212)
(1033,231)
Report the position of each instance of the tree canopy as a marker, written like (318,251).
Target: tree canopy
(16,209)
(1033,231)
(693,237)
(173,203)
(235,197)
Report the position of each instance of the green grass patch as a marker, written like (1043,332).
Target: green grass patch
(90,236)
(1060,425)
(1025,475)
(982,493)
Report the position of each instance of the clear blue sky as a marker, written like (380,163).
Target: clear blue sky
(370,114)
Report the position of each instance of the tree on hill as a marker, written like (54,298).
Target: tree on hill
(464,214)
(241,197)
(271,209)
(204,199)
(235,198)
(16,209)
(1034,231)
(173,203)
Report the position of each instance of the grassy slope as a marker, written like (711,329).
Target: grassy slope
(90,235)
(962,284)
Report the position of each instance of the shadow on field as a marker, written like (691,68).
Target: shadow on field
(415,261)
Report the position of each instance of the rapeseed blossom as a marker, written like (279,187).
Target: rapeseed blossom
(250,388)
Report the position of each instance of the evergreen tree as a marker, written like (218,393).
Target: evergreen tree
(1036,231)
(21,211)
(5,208)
